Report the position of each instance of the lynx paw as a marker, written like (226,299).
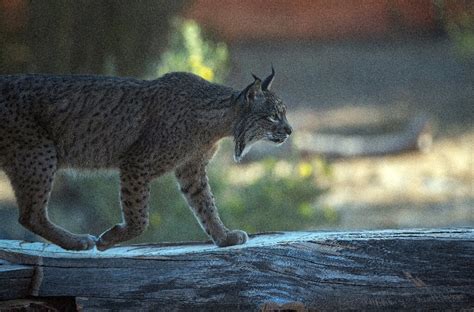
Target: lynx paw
(88,242)
(110,237)
(103,244)
(80,242)
(105,241)
(236,237)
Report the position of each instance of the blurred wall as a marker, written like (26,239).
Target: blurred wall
(321,19)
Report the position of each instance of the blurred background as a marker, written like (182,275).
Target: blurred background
(380,93)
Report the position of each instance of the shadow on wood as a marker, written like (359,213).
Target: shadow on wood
(323,271)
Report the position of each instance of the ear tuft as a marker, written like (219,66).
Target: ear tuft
(256,78)
(267,83)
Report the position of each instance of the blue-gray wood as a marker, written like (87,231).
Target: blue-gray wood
(324,271)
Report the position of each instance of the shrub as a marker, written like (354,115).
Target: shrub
(189,51)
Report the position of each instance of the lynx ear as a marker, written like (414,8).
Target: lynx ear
(254,89)
(251,91)
(267,83)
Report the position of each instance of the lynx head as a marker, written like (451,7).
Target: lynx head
(262,117)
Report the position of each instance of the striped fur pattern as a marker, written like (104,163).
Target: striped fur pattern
(142,128)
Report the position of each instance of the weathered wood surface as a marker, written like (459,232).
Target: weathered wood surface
(14,280)
(323,271)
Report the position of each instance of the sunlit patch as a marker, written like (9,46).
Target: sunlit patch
(305,169)
(199,68)
(246,175)
(205,72)
(283,169)
(191,52)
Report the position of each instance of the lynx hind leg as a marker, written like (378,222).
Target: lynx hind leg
(31,175)
(134,195)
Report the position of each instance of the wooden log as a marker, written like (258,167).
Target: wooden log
(323,271)
(50,304)
(415,136)
(15,280)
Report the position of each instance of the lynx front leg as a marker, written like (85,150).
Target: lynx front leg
(134,194)
(195,188)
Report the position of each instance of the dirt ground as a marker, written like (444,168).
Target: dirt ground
(432,189)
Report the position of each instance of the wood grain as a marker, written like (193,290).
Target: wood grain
(324,271)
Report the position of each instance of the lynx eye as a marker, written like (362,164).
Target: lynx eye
(273,118)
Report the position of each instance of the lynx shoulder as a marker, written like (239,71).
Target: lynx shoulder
(141,128)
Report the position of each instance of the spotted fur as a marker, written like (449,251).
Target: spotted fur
(142,128)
